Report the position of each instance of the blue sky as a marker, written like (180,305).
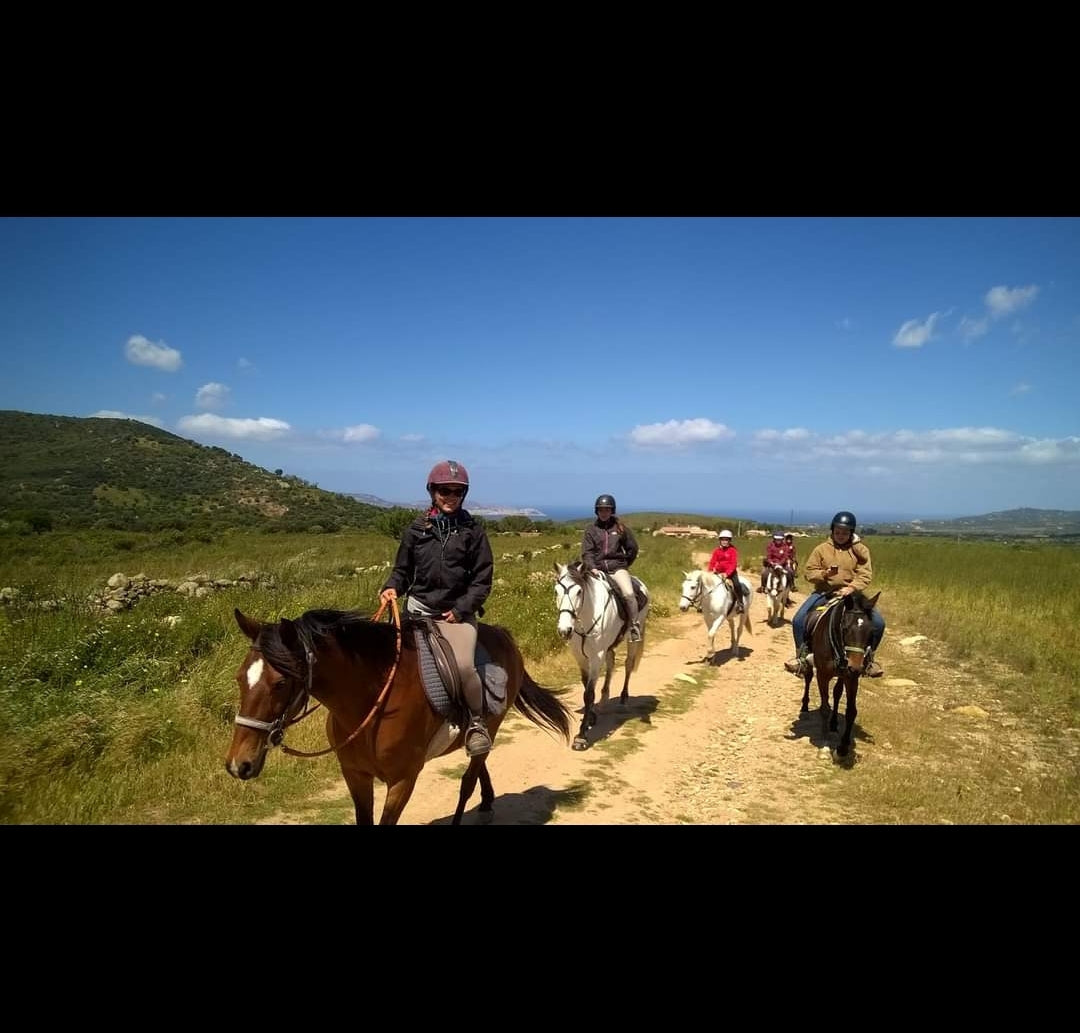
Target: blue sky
(902,365)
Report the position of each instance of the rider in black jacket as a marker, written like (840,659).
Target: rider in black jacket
(609,545)
(445,565)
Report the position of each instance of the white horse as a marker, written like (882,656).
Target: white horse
(591,624)
(777,590)
(709,592)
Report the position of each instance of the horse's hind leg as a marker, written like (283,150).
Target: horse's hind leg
(631,654)
(823,692)
(477,769)
(849,718)
(397,796)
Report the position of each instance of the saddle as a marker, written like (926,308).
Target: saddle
(815,615)
(442,680)
(620,602)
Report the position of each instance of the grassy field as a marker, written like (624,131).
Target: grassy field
(125,718)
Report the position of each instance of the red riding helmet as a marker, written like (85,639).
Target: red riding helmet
(449,471)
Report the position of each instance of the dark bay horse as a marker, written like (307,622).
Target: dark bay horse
(366,674)
(840,640)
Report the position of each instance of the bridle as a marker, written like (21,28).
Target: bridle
(276,729)
(573,610)
(695,599)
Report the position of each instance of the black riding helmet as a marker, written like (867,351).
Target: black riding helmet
(844,519)
(604,500)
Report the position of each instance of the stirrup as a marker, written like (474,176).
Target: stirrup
(873,669)
(477,738)
(635,633)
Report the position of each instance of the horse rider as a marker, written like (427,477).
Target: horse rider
(778,554)
(445,565)
(725,562)
(838,566)
(789,541)
(609,546)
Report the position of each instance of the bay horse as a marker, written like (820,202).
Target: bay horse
(840,641)
(590,623)
(709,593)
(777,589)
(367,675)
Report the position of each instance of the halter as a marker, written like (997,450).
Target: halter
(276,729)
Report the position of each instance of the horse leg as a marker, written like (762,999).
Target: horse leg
(631,655)
(588,716)
(807,678)
(397,796)
(823,691)
(849,717)
(609,668)
(838,691)
(362,790)
(468,784)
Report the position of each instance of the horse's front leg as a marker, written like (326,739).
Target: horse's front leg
(362,790)
(837,692)
(807,678)
(609,668)
(849,716)
(628,669)
(822,671)
(588,714)
(397,796)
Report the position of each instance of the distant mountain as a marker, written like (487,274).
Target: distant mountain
(66,471)
(1011,523)
(477,509)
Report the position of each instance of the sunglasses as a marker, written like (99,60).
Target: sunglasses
(454,493)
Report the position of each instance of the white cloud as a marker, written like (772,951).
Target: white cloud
(244,364)
(951,446)
(412,437)
(212,396)
(157,398)
(969,328)
(846,324)
(675,433)
(112,414)
(361,432)
(142,352)
(1003,300)
(262,429)
(1020,388)
(914,334)
(792,434)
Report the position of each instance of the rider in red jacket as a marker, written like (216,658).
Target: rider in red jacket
(725,562)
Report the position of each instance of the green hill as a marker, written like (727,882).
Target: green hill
(70,472)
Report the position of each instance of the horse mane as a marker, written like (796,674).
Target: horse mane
(351,629)
(709,579)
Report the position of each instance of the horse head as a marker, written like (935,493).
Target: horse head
(856,628)
(776,581)
(271,693)
(691,589)
(569,590)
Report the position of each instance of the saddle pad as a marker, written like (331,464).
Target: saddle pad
(492,676)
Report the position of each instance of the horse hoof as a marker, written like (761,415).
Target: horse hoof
(580,743)
(484,817)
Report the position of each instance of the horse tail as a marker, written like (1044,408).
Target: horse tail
(542,706)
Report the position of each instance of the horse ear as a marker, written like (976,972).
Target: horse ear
(871,603)
(555,566)
(249,627)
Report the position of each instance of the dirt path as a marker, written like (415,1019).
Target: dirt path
(696,744)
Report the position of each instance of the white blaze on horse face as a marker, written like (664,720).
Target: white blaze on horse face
(689,591)
(568,600)
(255,672)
